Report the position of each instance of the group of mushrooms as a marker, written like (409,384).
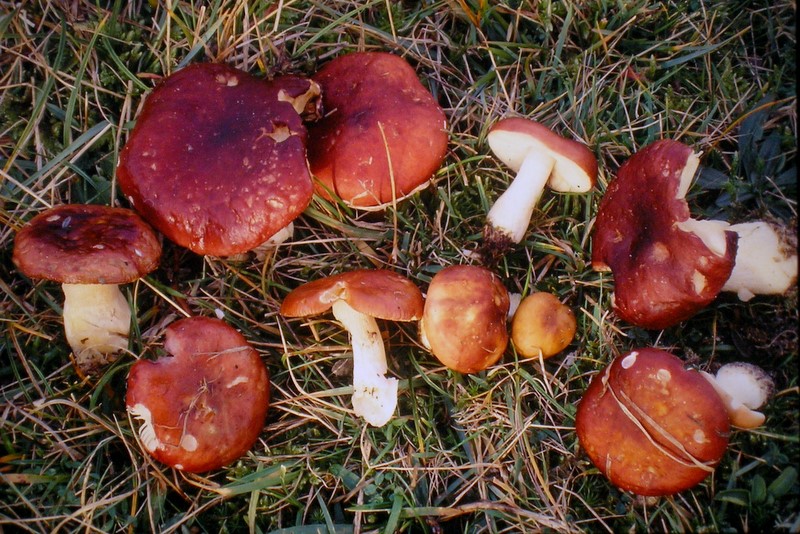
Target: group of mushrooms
(221,162)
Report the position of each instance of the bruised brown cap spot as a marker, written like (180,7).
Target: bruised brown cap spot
(464,322)
(374,104)
(204,406)
(377,293)
(86,244)
(217,158)
(653,427)
(667,266)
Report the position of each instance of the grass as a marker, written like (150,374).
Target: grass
(493,452)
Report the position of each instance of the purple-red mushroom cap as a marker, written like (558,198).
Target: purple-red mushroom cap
(217,158)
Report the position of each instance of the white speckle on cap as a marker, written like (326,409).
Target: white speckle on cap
(663,375)
(189,443)
(628,361)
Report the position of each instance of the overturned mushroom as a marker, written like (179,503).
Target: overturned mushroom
(217,158)
(650,425)
(539,157)
(203,406)
(357,298)
(90,250)
(464,321)
(667,265)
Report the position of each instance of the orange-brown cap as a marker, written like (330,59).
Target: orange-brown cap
(376,110)
(374,292)
(204,406)
(86,244)
(652,426)
(464,323)
(217,159)
(542,324)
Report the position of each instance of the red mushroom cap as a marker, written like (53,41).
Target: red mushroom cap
(374,292)
(375,105)
(217,159)
(86,244)
(464,322)
(652,426)
(665,269)
(204,406)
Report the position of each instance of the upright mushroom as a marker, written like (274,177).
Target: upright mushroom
(650,425)
(90,250)
(539,157)
(204,405)
(383,135)
(464,320)
(542,325)
(217,158)
(357,298)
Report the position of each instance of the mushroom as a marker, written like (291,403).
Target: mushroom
(205,405)
(539,157)
(357,298)
(542,325)
(90,250)
(465,316)
(217,158)
(650,425)
(744,388)
(667,265)
(766,260)
(383,135)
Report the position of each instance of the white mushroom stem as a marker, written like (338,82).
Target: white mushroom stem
(97,318)
(743,388)
(374,395)
(511,213)
(765,263)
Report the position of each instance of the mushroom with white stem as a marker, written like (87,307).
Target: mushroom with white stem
(90,250)
(356,299)
(667,265)
(539,157)
(744,388)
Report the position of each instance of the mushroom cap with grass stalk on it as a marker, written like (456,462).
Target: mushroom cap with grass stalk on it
(382,136)
(667,265)
(464,323)
(540,158)
(652,426)
(204,405)
(217,158)
(356,299)
(90,250)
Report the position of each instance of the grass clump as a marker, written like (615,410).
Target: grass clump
(494,452)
